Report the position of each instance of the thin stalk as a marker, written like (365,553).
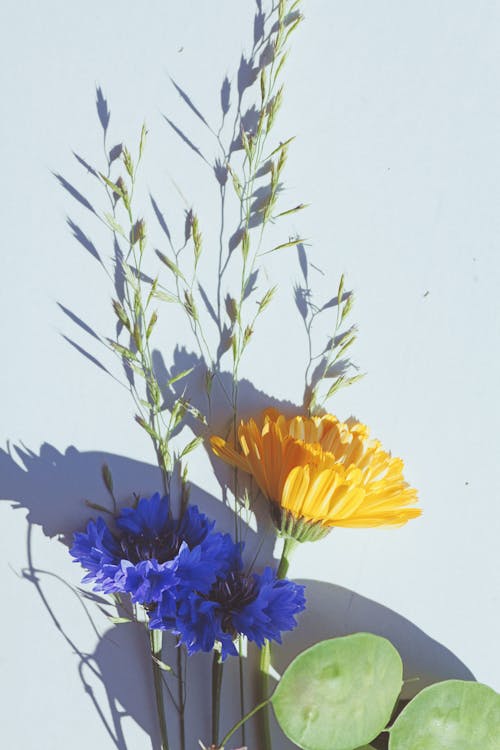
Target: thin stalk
(156,640)
(217,669)
(242,693)
(265,653)
(264,665)
(180,683)
(241,722)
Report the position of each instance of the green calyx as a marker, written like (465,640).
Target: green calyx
(298,529)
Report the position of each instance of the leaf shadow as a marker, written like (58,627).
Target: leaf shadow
(52,485)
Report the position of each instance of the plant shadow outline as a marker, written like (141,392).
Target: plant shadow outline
(51,486)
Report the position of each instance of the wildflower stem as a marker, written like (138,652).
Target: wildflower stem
(241,722)
(264,665)
(265,653)
(288,547)
(180,680)
(217,668)
(242,688)
(156,641)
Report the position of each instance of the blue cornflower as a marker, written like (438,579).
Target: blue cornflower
(258,606)
(211,560)
(151,556)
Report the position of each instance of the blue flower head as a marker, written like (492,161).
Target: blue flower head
(258,606)
(198,569)
(151,556)
(98,551)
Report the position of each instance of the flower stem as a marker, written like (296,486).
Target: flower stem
(217,668)
(242,690)
(241,722)
(156,640)
(264,664)
(181,677)
(286,554)
(265,653)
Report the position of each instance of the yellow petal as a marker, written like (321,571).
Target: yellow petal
(322,470)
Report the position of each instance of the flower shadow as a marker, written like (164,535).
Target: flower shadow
(52,486)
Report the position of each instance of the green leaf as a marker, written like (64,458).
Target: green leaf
(138,371)
(340,693)
(345,346)
(280,147)
(170,265)
(121,314)
(191,446)
(178,412)
(112,185)
(341,381)
(142,141)
(179,376)
(145,426)
(114,224)
(294,210)
(151,324)
(340,292)
(164,296)
(130,277)
(266,299)
(127,160)
(451,715)
(290,243)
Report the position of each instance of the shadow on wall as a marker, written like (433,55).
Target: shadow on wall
(52,487)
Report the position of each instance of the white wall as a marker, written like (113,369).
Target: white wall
(395,108)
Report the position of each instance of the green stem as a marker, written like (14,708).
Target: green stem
(265,653)
(155,639)
(286,554)
(217,668)
(180,682)
(242,690)
(241,722)
(264,664)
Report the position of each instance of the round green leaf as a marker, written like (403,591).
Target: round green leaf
(340,693)
(450,715)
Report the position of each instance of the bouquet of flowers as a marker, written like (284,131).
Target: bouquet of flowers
(289,474)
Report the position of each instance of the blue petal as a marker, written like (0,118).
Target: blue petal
(273,610)
(200,567)
(95,548)
(197,624)
(147,580)
(194,526)
(162,617)
(151,516)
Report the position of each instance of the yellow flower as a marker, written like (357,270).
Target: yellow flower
(319,472)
